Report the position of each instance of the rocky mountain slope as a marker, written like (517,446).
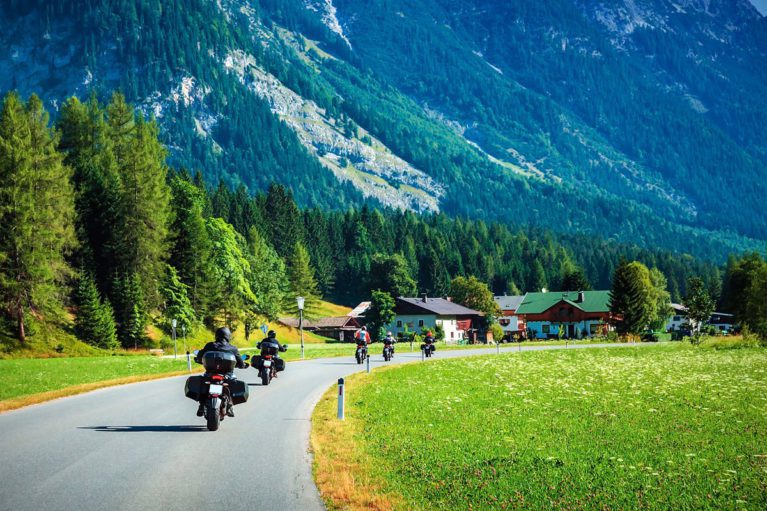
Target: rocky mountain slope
(640,120)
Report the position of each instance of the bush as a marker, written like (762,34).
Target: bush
(497,331)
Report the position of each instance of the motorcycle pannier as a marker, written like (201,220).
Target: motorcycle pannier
(220,362)
(239,391)
(194,387)
(279,364)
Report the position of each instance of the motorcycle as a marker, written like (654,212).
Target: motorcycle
(362,352)
(428,349)
(215,389)
(388,352)
(268,363)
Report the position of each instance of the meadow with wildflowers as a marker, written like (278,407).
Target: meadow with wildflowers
(660,427)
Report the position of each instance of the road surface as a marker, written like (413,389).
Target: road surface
(141,446)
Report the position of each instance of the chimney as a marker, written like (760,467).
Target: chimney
(424,298)
(581,296)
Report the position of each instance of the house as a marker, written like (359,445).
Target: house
(678,319)
(417,314)
(510,322)
(341,328)
(580,314)
(722,321)
(360,310)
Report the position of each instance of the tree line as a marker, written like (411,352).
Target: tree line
(92,220)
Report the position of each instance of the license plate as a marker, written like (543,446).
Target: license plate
(267,363)
(216,389)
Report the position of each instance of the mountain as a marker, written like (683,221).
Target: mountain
(640,121)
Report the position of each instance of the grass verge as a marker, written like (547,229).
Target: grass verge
(676,427)
(342,471)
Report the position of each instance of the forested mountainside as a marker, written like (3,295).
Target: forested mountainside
(639,121)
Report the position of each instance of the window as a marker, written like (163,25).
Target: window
(420,322)
(452,334)
(399,323)
(677,318)
(546,329)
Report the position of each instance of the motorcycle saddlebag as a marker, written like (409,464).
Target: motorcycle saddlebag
(257,362)
(239,391)
(279,364)
(194,387)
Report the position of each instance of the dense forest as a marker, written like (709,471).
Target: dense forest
(93,219)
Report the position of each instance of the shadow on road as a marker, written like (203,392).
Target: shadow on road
(145,429)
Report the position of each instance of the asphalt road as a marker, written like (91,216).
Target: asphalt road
(141,446)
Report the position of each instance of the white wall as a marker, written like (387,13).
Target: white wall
(416,323)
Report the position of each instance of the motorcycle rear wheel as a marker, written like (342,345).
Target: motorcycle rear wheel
(266,376)
(212,415)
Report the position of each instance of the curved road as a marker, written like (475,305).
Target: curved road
(141,447)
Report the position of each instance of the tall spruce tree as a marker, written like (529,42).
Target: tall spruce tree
(130,310)
(94,320)
(88,150)
(301,282)
(631,298)
(36,212)
(176,303)
(145,212)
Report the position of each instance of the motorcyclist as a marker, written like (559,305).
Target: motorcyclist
(222,343)
(428,342)
(389,341)
(362,336)
(270,341)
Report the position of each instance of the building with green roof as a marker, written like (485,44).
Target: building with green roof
(579,314)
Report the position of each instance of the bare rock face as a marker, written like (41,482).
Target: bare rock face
(369,165)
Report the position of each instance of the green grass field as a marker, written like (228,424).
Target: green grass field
(24,377)
(662,427)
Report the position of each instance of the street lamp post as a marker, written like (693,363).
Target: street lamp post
(300,302)
(173,325)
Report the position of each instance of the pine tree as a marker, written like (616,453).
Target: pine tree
(130,310)
(301,282)
(631,297)
(144,202)
(94,321)
(176,303)
(36,212)
(283,219)
(575,280)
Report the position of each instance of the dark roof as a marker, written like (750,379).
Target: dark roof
(508,303)
(336,322)
(324,323)
(438,306)
(537,303)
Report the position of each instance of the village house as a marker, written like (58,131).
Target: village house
(341,328)
(510,322)
(414,315)
(580,314)
(722,321)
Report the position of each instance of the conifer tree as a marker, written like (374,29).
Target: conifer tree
(36,212)
(144,202)
(284,220)
(94,321)
(176,303)
(301,282)
(130,310)
(631,297)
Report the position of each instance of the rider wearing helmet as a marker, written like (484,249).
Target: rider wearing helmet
(269,340)
(362,336)
(389,340)
(222,343)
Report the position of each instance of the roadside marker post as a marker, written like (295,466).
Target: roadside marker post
(423,354)
(189,361)
(368,362)
(498,347)
(341,399)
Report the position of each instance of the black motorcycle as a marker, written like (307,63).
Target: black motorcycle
(362,352)
(428,348)
(388,352)
(269,363)
(217,388)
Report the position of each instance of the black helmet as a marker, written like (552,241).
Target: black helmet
(223,335)
(272,334)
